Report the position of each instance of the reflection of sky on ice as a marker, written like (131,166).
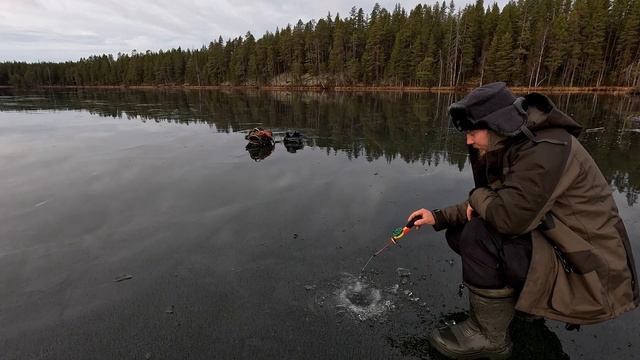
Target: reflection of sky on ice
(85,196)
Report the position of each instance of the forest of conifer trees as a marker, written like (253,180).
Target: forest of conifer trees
(568,43)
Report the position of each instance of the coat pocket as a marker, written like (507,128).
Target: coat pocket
(575,253)
(578,291)
(579,295)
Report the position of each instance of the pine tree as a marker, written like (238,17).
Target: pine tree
(558,48)
(399,70)
(338,52)
(628,47)
(377,48)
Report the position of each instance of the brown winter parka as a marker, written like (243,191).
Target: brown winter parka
(582,270)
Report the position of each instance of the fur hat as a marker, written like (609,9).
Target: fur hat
(492,106)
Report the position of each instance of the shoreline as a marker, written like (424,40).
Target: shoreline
(614,90)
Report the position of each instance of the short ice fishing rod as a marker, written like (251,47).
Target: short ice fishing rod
(397,234)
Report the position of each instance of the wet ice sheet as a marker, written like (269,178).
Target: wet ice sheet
(361,299)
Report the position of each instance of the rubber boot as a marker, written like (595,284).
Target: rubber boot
(485,334)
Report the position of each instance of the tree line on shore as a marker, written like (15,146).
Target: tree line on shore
(526,43)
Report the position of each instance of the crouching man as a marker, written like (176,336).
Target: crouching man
(539,233)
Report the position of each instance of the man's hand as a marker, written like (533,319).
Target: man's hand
(469,212)
(427,218)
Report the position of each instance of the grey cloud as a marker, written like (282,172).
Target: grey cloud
(32,37)
(112,26)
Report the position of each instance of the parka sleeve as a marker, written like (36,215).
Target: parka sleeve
(451,216)
(515,207)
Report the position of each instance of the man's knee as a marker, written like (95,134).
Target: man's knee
(468,238)
(491,260)
(475,238)
(453,238)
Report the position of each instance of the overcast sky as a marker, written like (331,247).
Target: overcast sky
(60,30)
